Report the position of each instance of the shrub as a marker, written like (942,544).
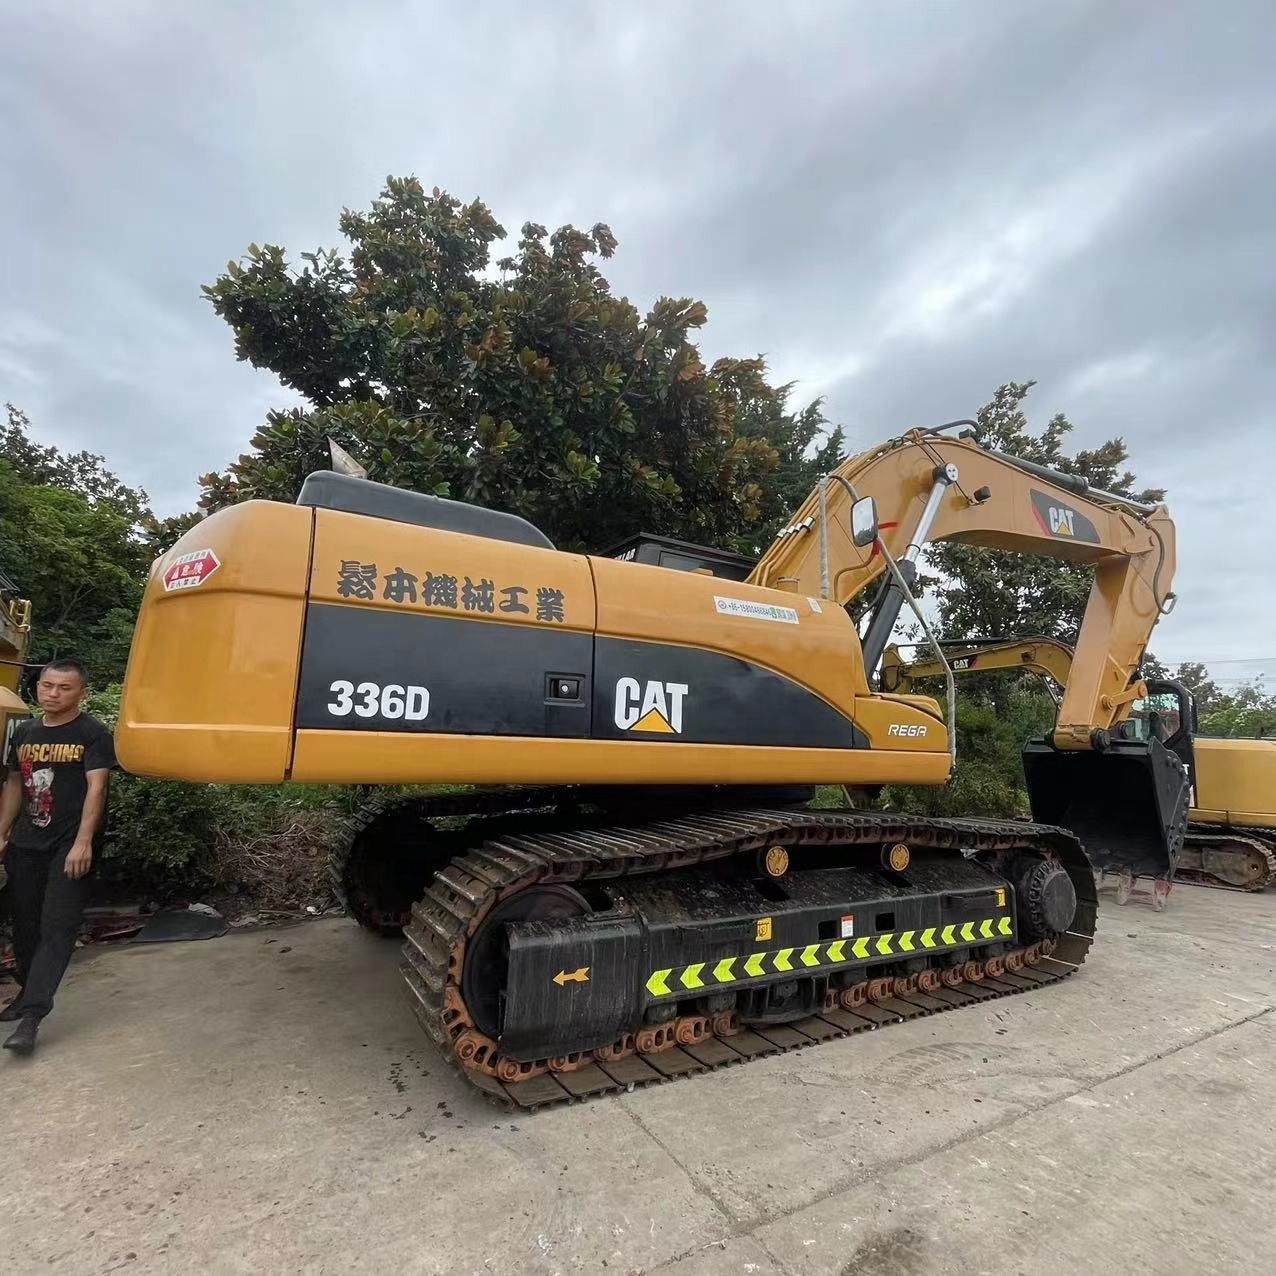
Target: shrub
(174,839)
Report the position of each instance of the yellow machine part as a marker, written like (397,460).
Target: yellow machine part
(15,641)
(454,646)
(1235,782)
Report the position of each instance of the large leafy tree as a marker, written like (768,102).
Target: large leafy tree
(984,593)
(523,384)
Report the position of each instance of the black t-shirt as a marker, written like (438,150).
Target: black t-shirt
(52,763)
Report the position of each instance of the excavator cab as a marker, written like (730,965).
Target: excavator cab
(1128,799)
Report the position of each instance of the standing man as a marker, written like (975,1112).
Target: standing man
(51,821)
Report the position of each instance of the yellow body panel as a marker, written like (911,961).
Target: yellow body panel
(386,758)
(212,672)
(1235,782)
(213,677)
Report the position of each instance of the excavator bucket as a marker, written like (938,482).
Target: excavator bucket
(1127,804)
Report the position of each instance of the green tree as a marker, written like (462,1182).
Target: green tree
(1250,711)
(529,387)
(983,592)
(76,540)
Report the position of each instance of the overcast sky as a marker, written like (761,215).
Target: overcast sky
(901,205)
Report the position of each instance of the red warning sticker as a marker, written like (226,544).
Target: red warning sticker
(189,570)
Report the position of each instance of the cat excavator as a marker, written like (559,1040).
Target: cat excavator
(1230,841)
(630,879)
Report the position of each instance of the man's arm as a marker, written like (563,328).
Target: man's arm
(10,805)
(80,855)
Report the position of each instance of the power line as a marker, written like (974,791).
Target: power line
(1232,660)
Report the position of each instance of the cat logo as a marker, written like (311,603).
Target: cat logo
(1061,521)
(654,707)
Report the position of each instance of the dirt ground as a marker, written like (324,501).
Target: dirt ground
(266,1102)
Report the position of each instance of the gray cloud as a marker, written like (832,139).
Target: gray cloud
(901,206)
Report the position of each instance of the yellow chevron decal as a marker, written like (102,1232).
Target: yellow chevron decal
(810,956)
(656,984)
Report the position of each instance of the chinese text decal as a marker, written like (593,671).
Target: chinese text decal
(362,581)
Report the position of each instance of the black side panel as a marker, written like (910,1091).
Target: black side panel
(423,673)
(330,490)
(653,691)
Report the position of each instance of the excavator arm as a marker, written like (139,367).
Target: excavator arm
(1128,800)
(1046,657)
(926,487)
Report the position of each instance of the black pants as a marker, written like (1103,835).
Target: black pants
(47,909)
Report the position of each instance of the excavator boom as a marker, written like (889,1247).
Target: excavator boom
(1127,800)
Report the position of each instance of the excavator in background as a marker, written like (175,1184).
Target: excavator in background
(15,641)
(1230,841)
(639,885)
(1050,659)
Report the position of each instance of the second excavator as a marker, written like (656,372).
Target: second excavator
(1230,840)
(638,886)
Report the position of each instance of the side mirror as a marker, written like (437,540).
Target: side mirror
(864,521)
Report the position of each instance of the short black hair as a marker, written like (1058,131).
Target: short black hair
(67,665)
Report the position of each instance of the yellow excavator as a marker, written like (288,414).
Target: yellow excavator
(639,886)
(1230,842)
(15,641)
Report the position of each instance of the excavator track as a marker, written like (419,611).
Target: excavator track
(448,917)
(1251,858)
(375,861)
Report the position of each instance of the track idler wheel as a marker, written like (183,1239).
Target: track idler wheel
(1047,898)
(487,957)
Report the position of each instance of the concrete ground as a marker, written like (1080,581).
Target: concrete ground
(266,1102)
